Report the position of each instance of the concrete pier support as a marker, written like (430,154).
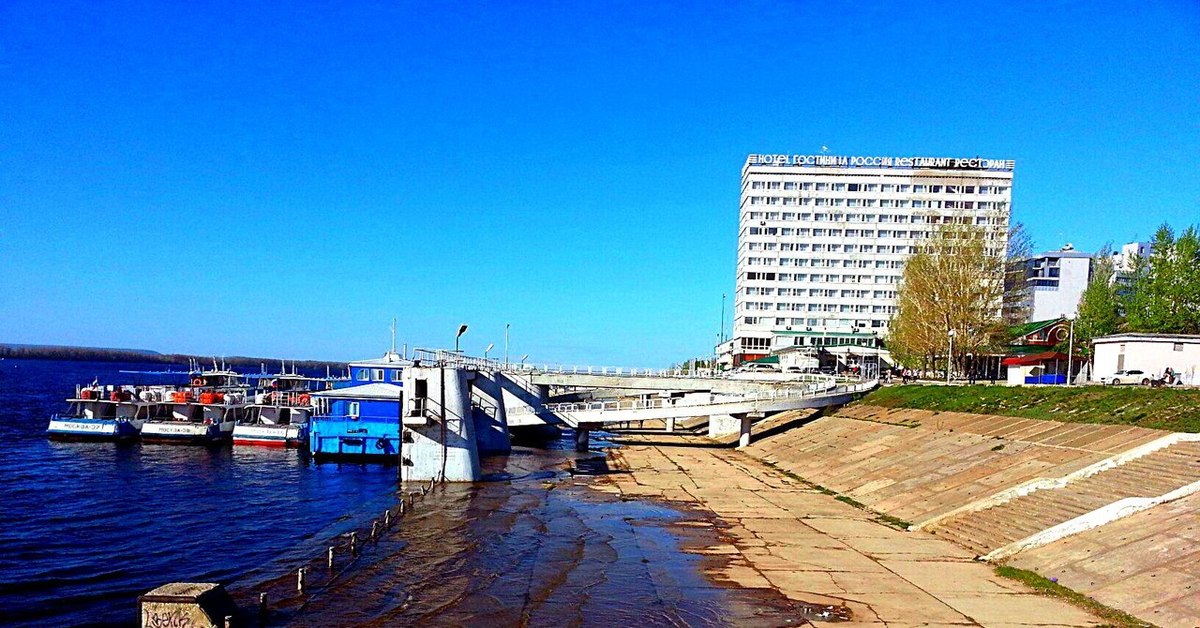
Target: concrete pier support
(490,415)
(671,424)
(744,439)
(722,424)
(582,435)
(438,439)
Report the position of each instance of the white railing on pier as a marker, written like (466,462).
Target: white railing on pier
(807,392)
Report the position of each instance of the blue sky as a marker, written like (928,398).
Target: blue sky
(282,180)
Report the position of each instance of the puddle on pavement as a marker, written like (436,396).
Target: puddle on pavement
(527,548)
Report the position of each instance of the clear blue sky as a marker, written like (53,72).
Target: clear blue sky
(224,178)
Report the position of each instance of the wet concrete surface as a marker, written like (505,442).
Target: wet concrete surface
(532,545)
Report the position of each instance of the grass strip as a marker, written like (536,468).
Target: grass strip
(1048,587)
(1174,409)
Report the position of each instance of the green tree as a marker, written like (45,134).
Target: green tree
(1164,296)
(1099,306)
(950,283)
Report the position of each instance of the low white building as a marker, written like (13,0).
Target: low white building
(1152,353)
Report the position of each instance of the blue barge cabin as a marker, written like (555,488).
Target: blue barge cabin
(388,369)
(359,422)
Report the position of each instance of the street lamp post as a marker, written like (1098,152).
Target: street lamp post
(488,350)
(721,336)
(506,326)
(462,329)
(950,355)
(1071,352)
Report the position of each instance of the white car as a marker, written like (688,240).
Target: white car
(758,367)
(1131,376)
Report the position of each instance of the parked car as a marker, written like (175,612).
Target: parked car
(758,367)
(1130,376)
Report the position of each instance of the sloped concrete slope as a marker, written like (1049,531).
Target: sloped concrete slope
(914,473)
(1147,564)
(1154,474)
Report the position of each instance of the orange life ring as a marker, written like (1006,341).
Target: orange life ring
(198,381)
(304,399)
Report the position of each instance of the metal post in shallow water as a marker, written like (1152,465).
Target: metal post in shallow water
(300,579)
(374,530)
(262,608)
(353,543)
(387,518)
(402,506)
(329,560)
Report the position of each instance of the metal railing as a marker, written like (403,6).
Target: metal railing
(808,392)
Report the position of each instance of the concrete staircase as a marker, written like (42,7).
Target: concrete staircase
(1151,475)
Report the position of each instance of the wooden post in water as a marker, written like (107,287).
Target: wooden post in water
(329,560)
(402,506)
(374,530)
(353,543)
(387,518)
(300,579)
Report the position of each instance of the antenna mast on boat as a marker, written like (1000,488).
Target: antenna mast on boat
(393,335)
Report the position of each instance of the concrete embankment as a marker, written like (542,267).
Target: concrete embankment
(782,534)
(1109,510)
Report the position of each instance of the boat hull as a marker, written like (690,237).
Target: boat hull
(184,433)
(84,429)
(288,436)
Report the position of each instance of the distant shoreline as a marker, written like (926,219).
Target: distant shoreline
(96,354)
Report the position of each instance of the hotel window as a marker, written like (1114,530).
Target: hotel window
(918,189)
(904,188)
(871,187)
(918,204)
(853,187)
(902,204)
(854,202)
(968,189)
(935,188)
(951,189)
(870,202)
(822,202)
(839,202)
(789,185)
(773,185)
(822,187)
(839,187)
(887,187)
(807,185)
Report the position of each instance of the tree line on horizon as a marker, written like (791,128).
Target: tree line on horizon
(94,354)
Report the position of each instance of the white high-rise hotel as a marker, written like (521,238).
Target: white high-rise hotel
(822,240)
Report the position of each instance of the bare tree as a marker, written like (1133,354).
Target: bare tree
(1018,294)
(951,283)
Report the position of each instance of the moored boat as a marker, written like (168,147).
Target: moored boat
(279,412)
(104,413)
(203,413)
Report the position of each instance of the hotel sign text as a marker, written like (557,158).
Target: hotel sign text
(838,161)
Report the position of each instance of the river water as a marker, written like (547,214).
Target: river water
(86,528)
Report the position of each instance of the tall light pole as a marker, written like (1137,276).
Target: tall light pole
(721,336)
(506,326)
(950,356)
(489,348)
(462,329)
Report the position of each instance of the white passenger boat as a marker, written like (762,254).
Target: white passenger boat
(105,413)
(279,412)
(205,412)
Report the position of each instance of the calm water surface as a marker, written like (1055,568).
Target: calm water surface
(87,527)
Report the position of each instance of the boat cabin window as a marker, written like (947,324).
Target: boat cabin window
(396,375)
(352,409)
(363,375)
(378,375)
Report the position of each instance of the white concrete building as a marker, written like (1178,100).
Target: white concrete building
(1151,353)
(1124,259)
(822,240)
(1057,280)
